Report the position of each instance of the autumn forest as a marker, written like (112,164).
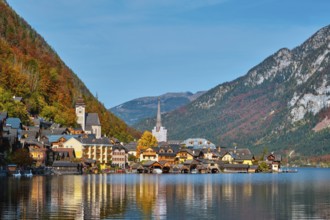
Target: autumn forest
(31,69)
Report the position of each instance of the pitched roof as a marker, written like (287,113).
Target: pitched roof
(13,132)
(149,163)
(166,150)
(91,140)
(55,138)
(58,163)
(92,119)
(187,150)
(131,146)
(198,143)
(33,142)
(36,122)
(54,131)
(190,162)
(119,147)
(59,131)
(32,128)
(13,122)
(3,115)
(136,166)
(273,157)
(239,151)
(245,157)
(29,134)
(80,102)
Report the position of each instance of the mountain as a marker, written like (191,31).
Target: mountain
(281,104)
(138,109)
(31,69)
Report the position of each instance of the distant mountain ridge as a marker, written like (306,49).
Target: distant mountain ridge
(141,108)
(276,105)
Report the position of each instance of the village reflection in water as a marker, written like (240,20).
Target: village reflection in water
(148,196)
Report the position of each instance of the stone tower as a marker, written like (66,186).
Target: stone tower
(80,112)
(159,132)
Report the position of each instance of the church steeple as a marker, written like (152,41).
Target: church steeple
(80,112)
(159,131)
(159,120)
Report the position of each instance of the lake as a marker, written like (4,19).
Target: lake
(302,195)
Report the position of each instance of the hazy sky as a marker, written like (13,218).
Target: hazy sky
(133,48)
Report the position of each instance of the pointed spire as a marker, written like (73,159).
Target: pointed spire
(159,120)
(80,101)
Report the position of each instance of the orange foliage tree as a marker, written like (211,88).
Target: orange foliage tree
(147,140)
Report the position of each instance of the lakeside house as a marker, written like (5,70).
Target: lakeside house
(167,153)
(274,161)
(119,156)
(149,154)
(131,148)
(66,167)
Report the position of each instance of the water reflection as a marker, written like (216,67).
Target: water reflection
(304,195)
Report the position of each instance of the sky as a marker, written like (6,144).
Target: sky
(127,49)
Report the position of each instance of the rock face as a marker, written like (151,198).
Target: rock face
(135,110)
(275,105)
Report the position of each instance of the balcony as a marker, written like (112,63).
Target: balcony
(148,154)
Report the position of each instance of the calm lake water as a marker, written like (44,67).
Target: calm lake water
(302,195)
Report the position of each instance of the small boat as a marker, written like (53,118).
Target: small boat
(17,174)
(157,171)
(29,174)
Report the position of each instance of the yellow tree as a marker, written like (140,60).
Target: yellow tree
(147,140)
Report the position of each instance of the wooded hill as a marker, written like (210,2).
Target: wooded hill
(31,69)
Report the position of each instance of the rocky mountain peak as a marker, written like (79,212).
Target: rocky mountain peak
(320,39)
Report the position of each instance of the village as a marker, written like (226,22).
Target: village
(57,150)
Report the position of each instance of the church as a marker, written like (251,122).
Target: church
(89,122)
(159,132)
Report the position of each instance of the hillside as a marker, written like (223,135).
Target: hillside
(146,107)
(31,69)
(276,105)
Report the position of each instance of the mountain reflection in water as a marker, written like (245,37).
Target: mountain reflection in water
(302,195)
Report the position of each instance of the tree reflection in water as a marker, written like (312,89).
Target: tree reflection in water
(303,195)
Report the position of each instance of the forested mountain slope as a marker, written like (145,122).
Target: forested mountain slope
(31,69)
(280,104)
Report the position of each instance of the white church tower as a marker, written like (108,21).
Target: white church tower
(80,112)
(159,132)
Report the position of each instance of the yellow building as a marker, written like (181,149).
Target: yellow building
(89,147)
(247,159)
(98,149)
(185,154)
(76,145)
